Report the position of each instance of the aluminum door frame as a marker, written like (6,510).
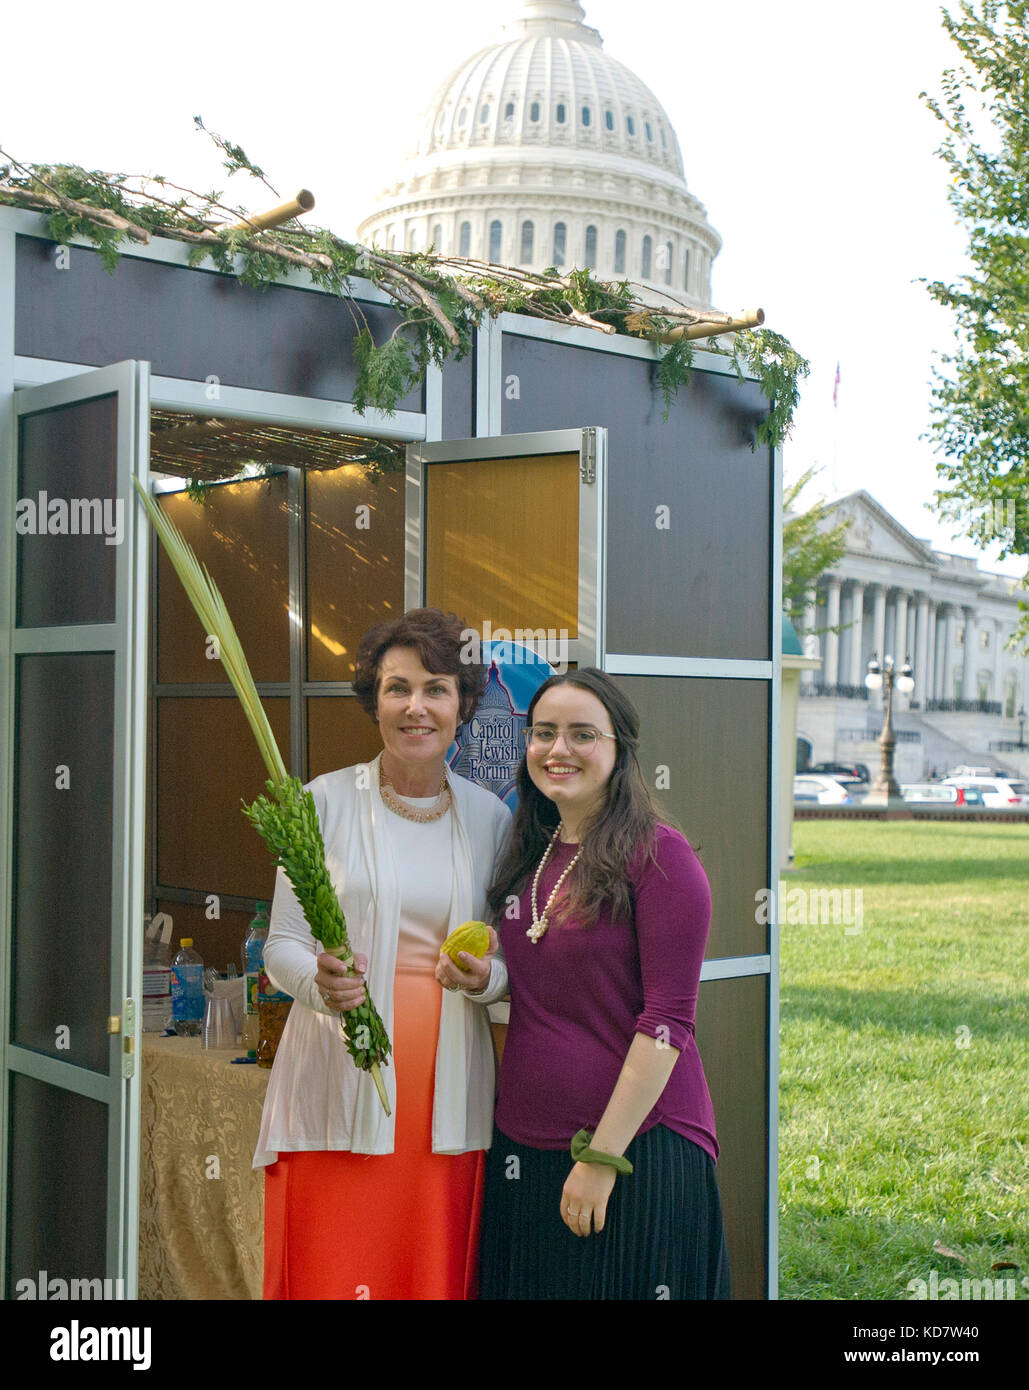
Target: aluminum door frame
(126,638)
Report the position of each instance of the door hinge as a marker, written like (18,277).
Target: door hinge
(588,456)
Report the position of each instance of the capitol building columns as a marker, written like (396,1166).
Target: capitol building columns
(949,631)
(900,629)
(831,669)
(921,690)
(879,620)
(856,674)
(996,642)
(969,690)
(930,654)
(811,639)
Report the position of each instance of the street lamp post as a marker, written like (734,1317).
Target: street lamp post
(885,785)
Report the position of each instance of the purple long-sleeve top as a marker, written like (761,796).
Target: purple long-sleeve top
(580,994)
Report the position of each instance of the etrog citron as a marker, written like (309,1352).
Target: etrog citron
(472,937)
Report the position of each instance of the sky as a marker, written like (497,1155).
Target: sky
(800,123)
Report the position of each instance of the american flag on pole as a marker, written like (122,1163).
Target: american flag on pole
(836,385)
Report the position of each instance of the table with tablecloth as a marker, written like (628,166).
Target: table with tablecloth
(201,1204)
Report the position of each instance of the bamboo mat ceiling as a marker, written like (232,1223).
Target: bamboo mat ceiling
(210,449)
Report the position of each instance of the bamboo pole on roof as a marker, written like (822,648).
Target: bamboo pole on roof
(706,328)
(274,217)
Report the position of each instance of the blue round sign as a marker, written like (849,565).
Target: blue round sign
(490,746)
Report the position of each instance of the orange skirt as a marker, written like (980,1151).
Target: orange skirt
(405,1225)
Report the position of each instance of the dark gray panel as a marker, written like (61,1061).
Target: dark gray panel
(61,949)
(67,472)
(57,1199)
(712,737)
(732,1038)
(701,587)
(459,397)
(191,324)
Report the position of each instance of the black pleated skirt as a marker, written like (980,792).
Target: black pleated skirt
(662,1238)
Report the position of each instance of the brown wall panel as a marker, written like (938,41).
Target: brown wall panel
(701,587)
(339,734)
(502,541)
(712,736)
(732,1037)
(207,764)
(355,564)
(191,324)
(70,454)
(240,532)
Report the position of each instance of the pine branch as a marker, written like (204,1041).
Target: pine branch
(45,201)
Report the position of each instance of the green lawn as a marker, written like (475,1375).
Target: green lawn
(904,1059)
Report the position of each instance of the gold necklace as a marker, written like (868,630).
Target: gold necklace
(421,814)
(540,924)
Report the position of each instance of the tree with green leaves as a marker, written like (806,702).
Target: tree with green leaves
(980,399)
(810,546)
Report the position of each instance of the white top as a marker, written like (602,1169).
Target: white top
(425,893)
(317,1099)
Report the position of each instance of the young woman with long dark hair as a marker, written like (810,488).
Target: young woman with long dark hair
(601,1177)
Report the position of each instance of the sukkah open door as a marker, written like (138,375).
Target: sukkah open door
(506,533)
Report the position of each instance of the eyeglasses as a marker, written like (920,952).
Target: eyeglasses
(581,739)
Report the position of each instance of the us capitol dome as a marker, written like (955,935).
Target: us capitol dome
(543,150)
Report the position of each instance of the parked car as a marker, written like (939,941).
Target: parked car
(826,791)
(941,794)
(851,772)
(996,791)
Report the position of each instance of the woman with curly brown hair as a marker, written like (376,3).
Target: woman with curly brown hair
(411,851)
(600,1180)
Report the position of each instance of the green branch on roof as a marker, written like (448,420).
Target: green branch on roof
(440,299)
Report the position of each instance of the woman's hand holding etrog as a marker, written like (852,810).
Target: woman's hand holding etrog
(475,977)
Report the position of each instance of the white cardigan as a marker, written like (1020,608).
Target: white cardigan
(317,1098)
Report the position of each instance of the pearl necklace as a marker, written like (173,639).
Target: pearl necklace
(421,814)
(540,924)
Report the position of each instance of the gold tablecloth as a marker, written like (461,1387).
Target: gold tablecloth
(201,1205)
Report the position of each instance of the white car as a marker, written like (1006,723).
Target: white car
(943,793)
(1003,792)
(826,791)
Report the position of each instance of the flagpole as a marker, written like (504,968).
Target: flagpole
(835,431)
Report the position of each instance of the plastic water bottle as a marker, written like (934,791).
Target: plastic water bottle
(253,965)
(187,990)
